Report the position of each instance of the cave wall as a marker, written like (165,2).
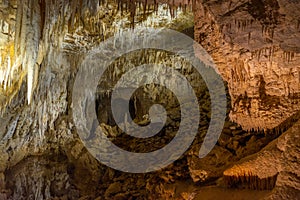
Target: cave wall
(255,45)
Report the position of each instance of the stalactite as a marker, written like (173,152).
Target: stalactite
(286,56)
(250,181)
(42,5)
(272,33)
(27,42)
(272,52)
(249,37)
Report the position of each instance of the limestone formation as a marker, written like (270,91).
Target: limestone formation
(255,46)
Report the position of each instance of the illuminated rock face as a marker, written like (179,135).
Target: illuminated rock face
(255,46)
(277,164)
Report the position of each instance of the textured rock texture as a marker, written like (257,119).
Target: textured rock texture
(255,45)
(277,164)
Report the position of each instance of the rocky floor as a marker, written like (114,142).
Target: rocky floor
(72,173)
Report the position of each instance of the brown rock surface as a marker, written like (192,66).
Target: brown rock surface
(255,45)
(275,165)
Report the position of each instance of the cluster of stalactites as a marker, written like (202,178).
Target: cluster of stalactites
(40,24)
(250,181)
(147,5)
